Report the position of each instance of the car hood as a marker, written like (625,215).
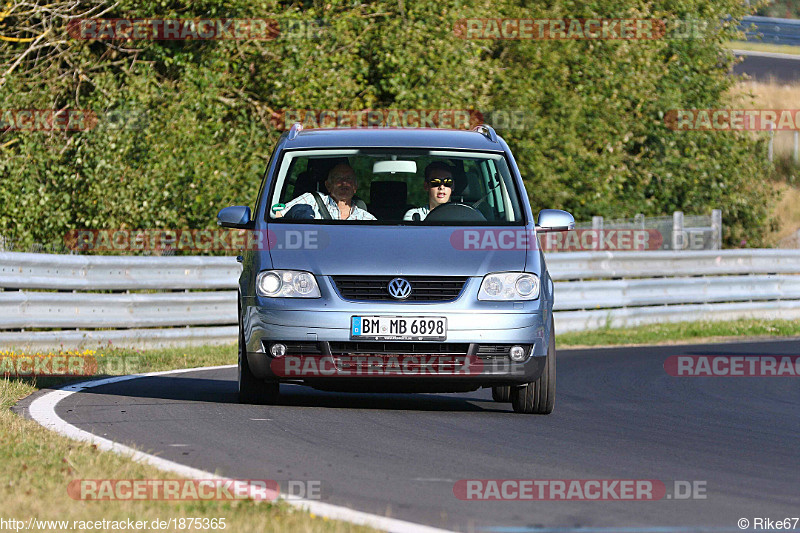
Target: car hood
(330,250)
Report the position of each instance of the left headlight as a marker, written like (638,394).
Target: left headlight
(287,284)
(509,286)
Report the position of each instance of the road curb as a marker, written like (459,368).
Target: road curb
(42,409)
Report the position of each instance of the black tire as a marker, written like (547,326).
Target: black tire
(539,397)
(251,389)
(501,393)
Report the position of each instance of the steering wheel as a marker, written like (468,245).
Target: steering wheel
(455,212)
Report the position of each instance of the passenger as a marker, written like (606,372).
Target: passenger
(439,186)
(342,185)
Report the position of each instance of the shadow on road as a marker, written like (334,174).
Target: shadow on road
(224,391)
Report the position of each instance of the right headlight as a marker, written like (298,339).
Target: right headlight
(509,286)
(287,284)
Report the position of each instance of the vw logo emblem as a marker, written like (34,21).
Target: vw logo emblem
(399,289)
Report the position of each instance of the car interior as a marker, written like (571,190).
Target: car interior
(396,185)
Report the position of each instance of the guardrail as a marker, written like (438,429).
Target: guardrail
(192,300)
(20,309)
(594,265)
(771,30)
(624,289)
(83,272)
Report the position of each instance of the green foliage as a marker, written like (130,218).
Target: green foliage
(781,9)
(600,144)
(197,132)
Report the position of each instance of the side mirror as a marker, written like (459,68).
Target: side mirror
(554,220)
(237,216)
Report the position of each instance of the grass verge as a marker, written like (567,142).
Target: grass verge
(763,47)
(39,465)
(680,333)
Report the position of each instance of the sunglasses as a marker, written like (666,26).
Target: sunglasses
(447,182)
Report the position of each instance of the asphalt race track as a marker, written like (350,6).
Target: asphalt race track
(766,69)
(618,416)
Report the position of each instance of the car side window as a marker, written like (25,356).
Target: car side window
(297,169)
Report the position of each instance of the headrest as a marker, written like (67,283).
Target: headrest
(306,182)
(388,193)
(460,183)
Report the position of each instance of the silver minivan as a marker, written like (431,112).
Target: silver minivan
(386,260)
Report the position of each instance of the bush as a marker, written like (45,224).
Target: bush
(194,132)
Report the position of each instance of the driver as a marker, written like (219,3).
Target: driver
(439,186)
(342,184)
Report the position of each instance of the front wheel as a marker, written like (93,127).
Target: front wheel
(539,397)
(501,393)
(251,389)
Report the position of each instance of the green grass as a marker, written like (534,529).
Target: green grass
(763,47)
(172,358)
(38,465)
(680,332)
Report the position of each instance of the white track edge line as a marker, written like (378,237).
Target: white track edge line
(774,55)
(43,411)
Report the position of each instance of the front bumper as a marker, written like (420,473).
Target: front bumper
(470,324)
(470,369)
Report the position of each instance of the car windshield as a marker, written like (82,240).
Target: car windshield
(394,186)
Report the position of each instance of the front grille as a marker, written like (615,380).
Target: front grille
(423,288)
(442,356)
(399,364)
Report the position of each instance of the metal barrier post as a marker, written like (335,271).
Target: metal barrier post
(678,240)
(716,229)
(771,149)
(597,226)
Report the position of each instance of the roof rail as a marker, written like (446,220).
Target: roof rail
(296,128)
(487,131)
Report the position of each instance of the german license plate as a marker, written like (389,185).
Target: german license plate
(399,328)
